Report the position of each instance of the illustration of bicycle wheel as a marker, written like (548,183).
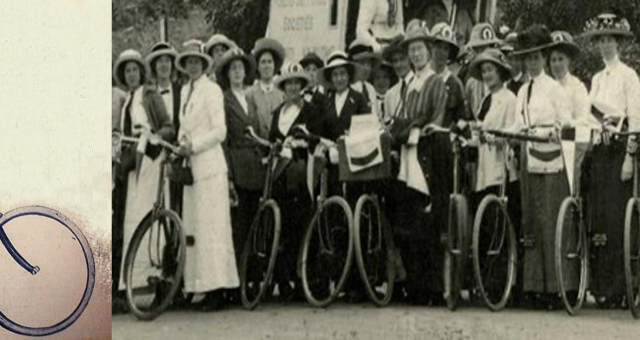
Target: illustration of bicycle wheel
(58,267)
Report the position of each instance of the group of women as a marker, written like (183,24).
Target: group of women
(421,78)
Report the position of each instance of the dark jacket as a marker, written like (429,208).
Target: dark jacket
(244,157)
(332,126)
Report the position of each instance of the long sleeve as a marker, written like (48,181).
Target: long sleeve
(215,111)
(632,94)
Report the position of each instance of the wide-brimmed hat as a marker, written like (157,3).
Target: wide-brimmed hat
(312,58)
(607,24)
(416,30)
(161,49)
(362,50)
(394,46)
(444,33)
(269,45)
(292,71)
(218,39)
(235,53)
(125,57)
(335,60)
(483,34)
(563,41)
(194,48)
(533,39)
(494,56)
(509,43)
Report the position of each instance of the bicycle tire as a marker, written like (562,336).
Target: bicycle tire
(384,297)
(511,262)
(571,307)
(631,256)
(251,302)
(456,240)
(14,327)
(307,283)
(171,286)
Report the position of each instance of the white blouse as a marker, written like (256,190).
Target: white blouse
(491,158)
(618,86)
(547,107)
(288,115)
(578,97)
(138,114)
(371,93)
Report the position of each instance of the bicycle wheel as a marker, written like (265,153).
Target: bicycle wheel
(632,255)
(154,264)
(259,254)
(11,325)
(374,253)
(327,252)
(494,252)
(456,252)
(571,254)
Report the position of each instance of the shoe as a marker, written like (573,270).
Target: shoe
(213,301)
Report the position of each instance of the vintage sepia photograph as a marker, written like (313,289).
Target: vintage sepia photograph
(375,169)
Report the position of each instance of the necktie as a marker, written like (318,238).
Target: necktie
(529,90)
(127,116)
(486,105)
(393,11)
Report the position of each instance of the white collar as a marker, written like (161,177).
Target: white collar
(409,77)
(609,65)
(266,87)
(518,76)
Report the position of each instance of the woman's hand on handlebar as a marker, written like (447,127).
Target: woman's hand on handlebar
(185,147)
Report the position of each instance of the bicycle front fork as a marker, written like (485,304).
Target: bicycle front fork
(14,253)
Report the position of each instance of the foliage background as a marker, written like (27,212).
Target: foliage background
(136,22)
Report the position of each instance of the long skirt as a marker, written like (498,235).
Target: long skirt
(544,195)
(606,199)
(142,188)
(211,261)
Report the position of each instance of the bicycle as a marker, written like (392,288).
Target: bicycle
(261,247)
(374,248)
(572,244)
(161,238)
(327,249)
(494,238)
(52,214)
(455,240)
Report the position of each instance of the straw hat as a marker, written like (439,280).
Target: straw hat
(125,57)
(607,24)
(335,60)
(218,39)
(194,48)
(161,49)
(269,45)
(494,56)
(483,35)
(312,58)
(362,50)
(292,71)
(533,39)
(443,32)
(416,30)
(563,41)
(235,53)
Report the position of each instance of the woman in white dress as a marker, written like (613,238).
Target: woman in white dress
(211,263)
(143,113)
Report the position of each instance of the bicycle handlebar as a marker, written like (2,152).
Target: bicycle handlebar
(519,136)
(154,140)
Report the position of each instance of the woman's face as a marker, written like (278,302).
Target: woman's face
(608,46)
(237,73)
(559,64)
(266,66)
(534,62)
(132,74)
(292,89)
(418,54)
(401,65)
(367,66)
(194,67)
(441,52)
(381,81)
(340,78)
(490,74)
(311,70)
(217,51)
(164,65)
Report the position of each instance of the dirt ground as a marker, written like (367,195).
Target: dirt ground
(365,321)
